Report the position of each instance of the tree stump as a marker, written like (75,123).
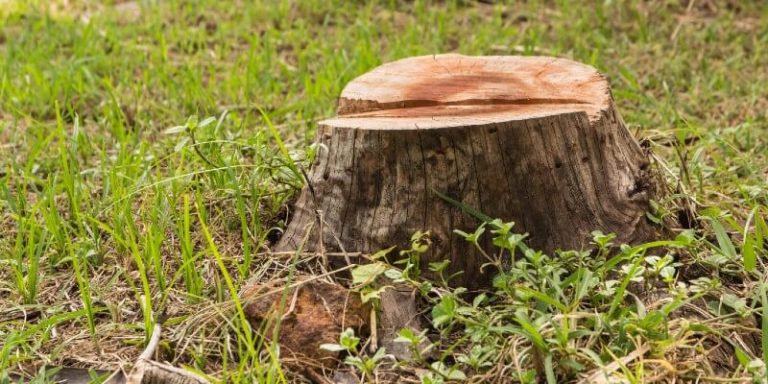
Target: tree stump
(534,140)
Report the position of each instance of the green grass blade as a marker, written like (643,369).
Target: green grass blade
(280,144)
(458,204)
(723,240)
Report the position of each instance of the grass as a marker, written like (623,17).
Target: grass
(148,151)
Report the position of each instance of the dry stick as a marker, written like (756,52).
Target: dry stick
(292,306)
(602,375)
(715,379)
(323,257)
(148,371)
(285,254)
(374,334)
(153,342)
(316,377)
(299,283)
(338,241)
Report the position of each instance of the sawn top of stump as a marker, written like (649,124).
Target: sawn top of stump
(455,90)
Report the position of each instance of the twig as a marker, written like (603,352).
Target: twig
(148,371)
(153,343)
(299,283)
(313,254)
(374,334)
(191,133)
(323,256)
(292,306)
(604,374)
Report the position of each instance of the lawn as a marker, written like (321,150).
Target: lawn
(146,151)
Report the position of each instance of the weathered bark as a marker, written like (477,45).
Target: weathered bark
(399,310)
(147,371)
(152,372)
(534,140)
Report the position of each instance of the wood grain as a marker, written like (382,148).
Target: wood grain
(533,140)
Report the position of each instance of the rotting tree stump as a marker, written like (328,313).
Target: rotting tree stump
(534,140)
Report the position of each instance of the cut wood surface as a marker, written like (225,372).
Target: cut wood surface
(534,140)
(466,86)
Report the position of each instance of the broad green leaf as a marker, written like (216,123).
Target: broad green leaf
(439,266)
(444,311)
(748,253)
(450,373)
(393,274)
(549,370)
(174,130)
(382,253)
(723,240)
(332,347)
(206,122)
(366,273)
(532,334)
(348,340)
(368,293)
(540,296)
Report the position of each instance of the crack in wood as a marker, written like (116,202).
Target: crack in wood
(363,108)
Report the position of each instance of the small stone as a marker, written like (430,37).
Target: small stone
(345,377)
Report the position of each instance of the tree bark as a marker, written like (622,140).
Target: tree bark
(534,140)
(152,372)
